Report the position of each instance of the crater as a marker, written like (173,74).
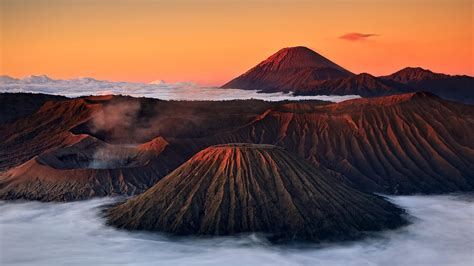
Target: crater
(91,153)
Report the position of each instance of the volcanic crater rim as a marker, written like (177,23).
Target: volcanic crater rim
(247,145)
(105,157)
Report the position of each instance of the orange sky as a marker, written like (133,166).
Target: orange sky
(210,42)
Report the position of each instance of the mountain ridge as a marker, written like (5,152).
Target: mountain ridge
(313,74)
(400,144)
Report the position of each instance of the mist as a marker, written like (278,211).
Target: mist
(114,157)
(33,233)
(163,90)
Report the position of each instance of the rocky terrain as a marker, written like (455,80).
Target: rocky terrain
(240,188)
(88,168)
(118,119)
(402,144)
(108,145)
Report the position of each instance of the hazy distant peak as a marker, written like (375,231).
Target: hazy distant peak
(414,74)
(87,79)
(37,79)
(158,82)
(7,79)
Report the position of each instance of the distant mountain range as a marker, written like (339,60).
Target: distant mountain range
(305,72)
(299,70)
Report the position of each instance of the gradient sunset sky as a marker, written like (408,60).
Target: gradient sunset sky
(210,42)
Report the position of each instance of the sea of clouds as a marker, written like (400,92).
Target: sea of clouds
(33,233)
(160,90)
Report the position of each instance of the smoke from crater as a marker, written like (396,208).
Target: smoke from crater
(116,118)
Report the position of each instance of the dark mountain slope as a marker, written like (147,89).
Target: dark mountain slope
(18,105)
(46,129)
(414,74)
(409,143)
(363,84)
(120,119)
(456,88)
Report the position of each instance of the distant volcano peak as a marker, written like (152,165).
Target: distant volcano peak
(299,57)
(289,69)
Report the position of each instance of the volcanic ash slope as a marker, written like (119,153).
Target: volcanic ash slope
(238,188)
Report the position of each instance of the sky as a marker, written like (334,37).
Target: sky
(211,42)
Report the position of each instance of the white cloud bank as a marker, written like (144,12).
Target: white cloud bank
(158,89)
(34,233)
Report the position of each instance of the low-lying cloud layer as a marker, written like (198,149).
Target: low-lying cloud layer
(36,233)
(159,90)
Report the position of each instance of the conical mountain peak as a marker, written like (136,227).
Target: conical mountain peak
(290,69)
(299,57)
(243,188)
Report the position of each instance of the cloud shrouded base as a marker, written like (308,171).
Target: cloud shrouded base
(36,233)
(159,90)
